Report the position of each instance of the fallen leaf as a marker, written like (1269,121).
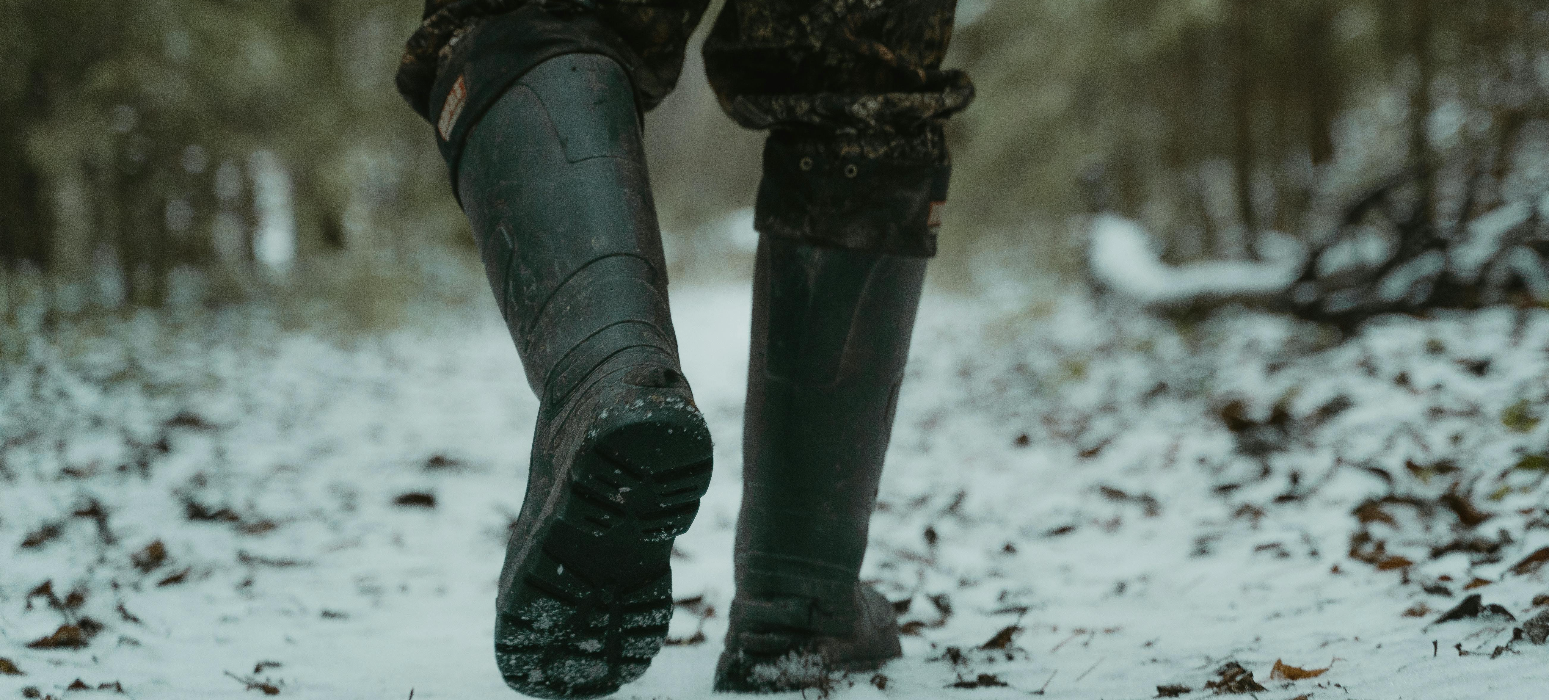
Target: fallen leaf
(126,615)
(8,668)
(174,579)
(1517,417)
(416,499)
(190,421)
(1532,562)
(1477,583)
(1467,513)
(43,535)
(1233,678)
(1472,607)
(66,637)
(1392,563)
(1002,639)
(152,556)
(911,628)
(983,680)
(1172,691)
(1283,672)
(880,681)
(1372,512)
(1417,610)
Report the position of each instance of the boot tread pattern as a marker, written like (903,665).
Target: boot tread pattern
(593,600)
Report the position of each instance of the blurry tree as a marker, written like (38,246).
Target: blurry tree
(152,134)
(238,137)
(1213,121)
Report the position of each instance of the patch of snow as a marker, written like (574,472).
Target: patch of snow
(1128,501)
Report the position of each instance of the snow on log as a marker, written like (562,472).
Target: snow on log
(1121,258)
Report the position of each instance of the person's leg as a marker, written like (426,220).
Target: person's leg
(536,112)
(855,170)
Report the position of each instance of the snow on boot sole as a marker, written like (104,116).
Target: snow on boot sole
(591,602)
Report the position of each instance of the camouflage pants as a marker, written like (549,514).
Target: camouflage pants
(852,92)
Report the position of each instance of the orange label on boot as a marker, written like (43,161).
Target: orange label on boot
(452,108)
(934,215)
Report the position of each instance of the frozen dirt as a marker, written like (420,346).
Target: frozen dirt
(1080,502)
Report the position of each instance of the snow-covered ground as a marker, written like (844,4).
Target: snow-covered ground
(1081,502)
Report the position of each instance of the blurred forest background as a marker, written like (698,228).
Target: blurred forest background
(164,152)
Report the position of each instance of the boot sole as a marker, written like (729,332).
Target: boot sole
(593,599)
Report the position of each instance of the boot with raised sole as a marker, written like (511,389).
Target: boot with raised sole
(553,180)
(831,331)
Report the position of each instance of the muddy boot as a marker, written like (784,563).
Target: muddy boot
(831,330)
(553,180)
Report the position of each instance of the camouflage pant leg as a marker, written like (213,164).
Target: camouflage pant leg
(851,90)
(655,30)
(855,99)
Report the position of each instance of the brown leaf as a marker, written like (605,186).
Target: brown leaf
(152,556)
(127,616)
(190,421)
(1172,691)
(43,535)
(198,512)
(1473,606)
(1233,678)
(1392,563)
(1532,562)
(1467,513)
(912,628)
(175,579)
(1003,639)
(257,527)
(8,668)
(983,680)
(1372,512)
(78,685)
(1417,610)
(66,637)
(1477,583)
(1283,672)
(416,499)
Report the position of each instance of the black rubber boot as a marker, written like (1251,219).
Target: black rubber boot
(831,330)
(553,180)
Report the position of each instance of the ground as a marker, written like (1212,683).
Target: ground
(1081,501)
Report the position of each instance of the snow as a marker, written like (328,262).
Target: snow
(1141,500)
(1122,259)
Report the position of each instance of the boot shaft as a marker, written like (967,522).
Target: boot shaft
(553,179)
(831,334)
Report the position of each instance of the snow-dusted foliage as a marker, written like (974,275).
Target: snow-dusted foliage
(1083,501)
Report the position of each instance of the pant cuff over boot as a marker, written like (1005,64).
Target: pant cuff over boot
(880,193)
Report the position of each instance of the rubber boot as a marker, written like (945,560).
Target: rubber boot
(553,180)
(831,331)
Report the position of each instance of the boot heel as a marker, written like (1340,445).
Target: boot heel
(592,601)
